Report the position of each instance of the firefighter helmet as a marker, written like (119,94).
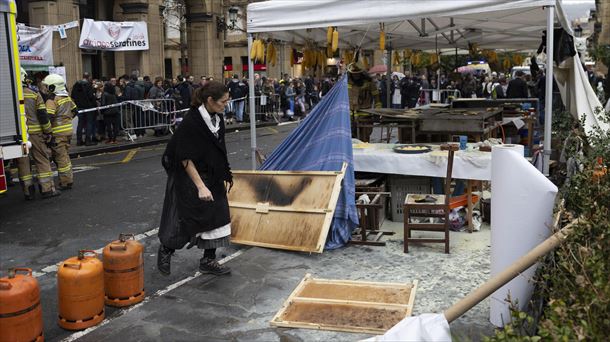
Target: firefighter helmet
(54,83)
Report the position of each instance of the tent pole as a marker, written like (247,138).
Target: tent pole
(252,103)
(548,89)
(388,82)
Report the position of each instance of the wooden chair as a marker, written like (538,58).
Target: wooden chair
(440,208)
(371,217)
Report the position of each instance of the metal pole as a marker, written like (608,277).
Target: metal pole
(548,97)
(388,81)
(251,100)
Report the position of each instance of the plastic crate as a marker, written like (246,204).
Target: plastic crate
(400,186)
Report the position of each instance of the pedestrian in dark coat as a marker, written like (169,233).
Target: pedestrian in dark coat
(111,115)
(196,209)
(517,88)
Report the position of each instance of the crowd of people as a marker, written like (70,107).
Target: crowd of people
(415,91)
(287,96)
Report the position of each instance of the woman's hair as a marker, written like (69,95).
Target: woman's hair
(213,89)
(109,88)
(158,79)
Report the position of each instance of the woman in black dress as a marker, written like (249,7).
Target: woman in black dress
(196,209)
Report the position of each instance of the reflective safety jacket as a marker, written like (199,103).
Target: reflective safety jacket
(60,110)
(37,119)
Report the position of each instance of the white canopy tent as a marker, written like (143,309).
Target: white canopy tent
(416,24)
(492,24)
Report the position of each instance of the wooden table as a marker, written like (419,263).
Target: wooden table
(475,123)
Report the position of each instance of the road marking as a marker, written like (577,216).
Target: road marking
(157,294)
(288,123)
(129,156)
(53,268)
(275,131)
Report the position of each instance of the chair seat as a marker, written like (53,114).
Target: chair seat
(414,198)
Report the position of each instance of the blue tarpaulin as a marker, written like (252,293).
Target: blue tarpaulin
(323,142)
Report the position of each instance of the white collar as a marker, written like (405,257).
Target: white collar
(208,120)
(62,93)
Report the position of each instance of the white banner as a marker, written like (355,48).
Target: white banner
(35,45)
(60,70)
(114,36)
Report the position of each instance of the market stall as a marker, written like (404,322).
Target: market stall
(476,123)
(491,24)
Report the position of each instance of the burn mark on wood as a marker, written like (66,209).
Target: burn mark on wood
(268,189)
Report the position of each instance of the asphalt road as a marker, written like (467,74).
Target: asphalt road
(120,192)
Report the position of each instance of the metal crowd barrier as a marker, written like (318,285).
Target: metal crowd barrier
(440,96)
(157,114)
(137,116)
(265,107)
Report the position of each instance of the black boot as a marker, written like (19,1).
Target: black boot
(31,192)
(52,193)
(66,186)
(211,266)
(164,258)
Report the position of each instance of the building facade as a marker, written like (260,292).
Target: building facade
(185,36)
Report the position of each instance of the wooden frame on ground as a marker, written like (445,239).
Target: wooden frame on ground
(343,305)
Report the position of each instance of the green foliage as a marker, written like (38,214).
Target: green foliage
(601,53)
(563,122)
(574,280)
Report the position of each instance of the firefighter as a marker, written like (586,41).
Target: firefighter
(39,132)
(61,109)
(363,94)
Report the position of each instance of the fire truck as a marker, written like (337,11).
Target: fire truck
(13,132)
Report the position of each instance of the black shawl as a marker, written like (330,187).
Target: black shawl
(184,214)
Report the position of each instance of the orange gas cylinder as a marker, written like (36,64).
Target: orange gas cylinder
(124,271)
(20,312)
(80,289)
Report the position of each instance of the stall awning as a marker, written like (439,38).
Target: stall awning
(502,24)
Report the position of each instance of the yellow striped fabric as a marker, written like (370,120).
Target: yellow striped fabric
(64,169)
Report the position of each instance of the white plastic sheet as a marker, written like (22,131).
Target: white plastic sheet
(422,328)
(522,209)
(577,93)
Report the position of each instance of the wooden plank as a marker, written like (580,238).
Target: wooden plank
(258,172)
(285,324)
(376,305)
(412,298)
(270,208)
(272,245)
(362,283)
(333,205)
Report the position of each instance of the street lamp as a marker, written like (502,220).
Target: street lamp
(233,17)
(221,23)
